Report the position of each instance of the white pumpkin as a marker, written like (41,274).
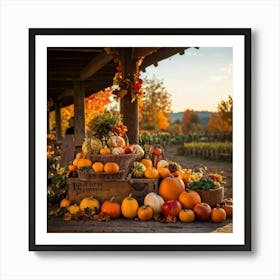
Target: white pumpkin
(137,149)
(155,201)
(116,141)
(117,151)
(162,163)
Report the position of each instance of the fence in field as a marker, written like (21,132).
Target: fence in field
(211,150)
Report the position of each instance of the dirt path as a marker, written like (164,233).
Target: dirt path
(170,153)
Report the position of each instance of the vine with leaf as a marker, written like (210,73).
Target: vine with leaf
(125,84)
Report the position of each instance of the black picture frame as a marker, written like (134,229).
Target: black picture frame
(33,165)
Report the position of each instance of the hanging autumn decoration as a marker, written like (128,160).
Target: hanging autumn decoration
(124,85)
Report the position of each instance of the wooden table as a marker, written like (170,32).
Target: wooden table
(121,225)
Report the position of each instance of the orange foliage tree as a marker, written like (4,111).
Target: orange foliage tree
(95,105)
(155,108)
(222,120)
(190,120)
(162,121)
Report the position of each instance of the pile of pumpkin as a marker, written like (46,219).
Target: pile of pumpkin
(81,163)
(172,202)
(145,168)
(115,145)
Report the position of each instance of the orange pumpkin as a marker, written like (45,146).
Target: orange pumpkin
(75,162)
(186,216)
(65,203)
(84,163)
(147,162)
(218,214)
(80,156)
(170,188)
(72,167)
(111,208)
(111,167)
(105,151)
(129,207)
(163,172)
(90,203)
(98,167)
(74,209)
(151,173)
(185,175)
(189,198)
(145,213)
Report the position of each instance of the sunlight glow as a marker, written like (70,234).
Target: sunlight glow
(197,80)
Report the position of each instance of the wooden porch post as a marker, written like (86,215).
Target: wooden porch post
(129,109)
(79,113)
(58,121)
(48,122)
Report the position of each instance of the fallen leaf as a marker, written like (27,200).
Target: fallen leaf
(170,219)
(98,217)
(67,217)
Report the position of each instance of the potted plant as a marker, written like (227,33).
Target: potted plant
(209,187)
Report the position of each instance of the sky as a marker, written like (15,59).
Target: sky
(198,79)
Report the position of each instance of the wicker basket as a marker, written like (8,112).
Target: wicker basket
(89,175)
(124,161)
(212,196)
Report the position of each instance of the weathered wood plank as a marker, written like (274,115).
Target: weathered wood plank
(77,190)
(121,225)
(94,65)
(79,96)
(106,189)
(58,121)
(67,150)
(129,109)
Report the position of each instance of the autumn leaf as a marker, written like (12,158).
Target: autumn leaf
(101,217)
(67,216)
(170,219)
(84,217)
(54,212)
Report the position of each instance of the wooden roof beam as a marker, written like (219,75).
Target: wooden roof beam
(94,65)
(138,52)
(83,49)
(65,93)
(161,54)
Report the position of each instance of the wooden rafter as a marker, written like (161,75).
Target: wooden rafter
(138,52)
(94,65)
(161,54)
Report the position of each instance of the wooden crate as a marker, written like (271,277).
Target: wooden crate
(141,187)
(104,190)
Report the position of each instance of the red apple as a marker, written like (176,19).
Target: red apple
(202,211)
(127,150)
(175,174)
(171,208)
